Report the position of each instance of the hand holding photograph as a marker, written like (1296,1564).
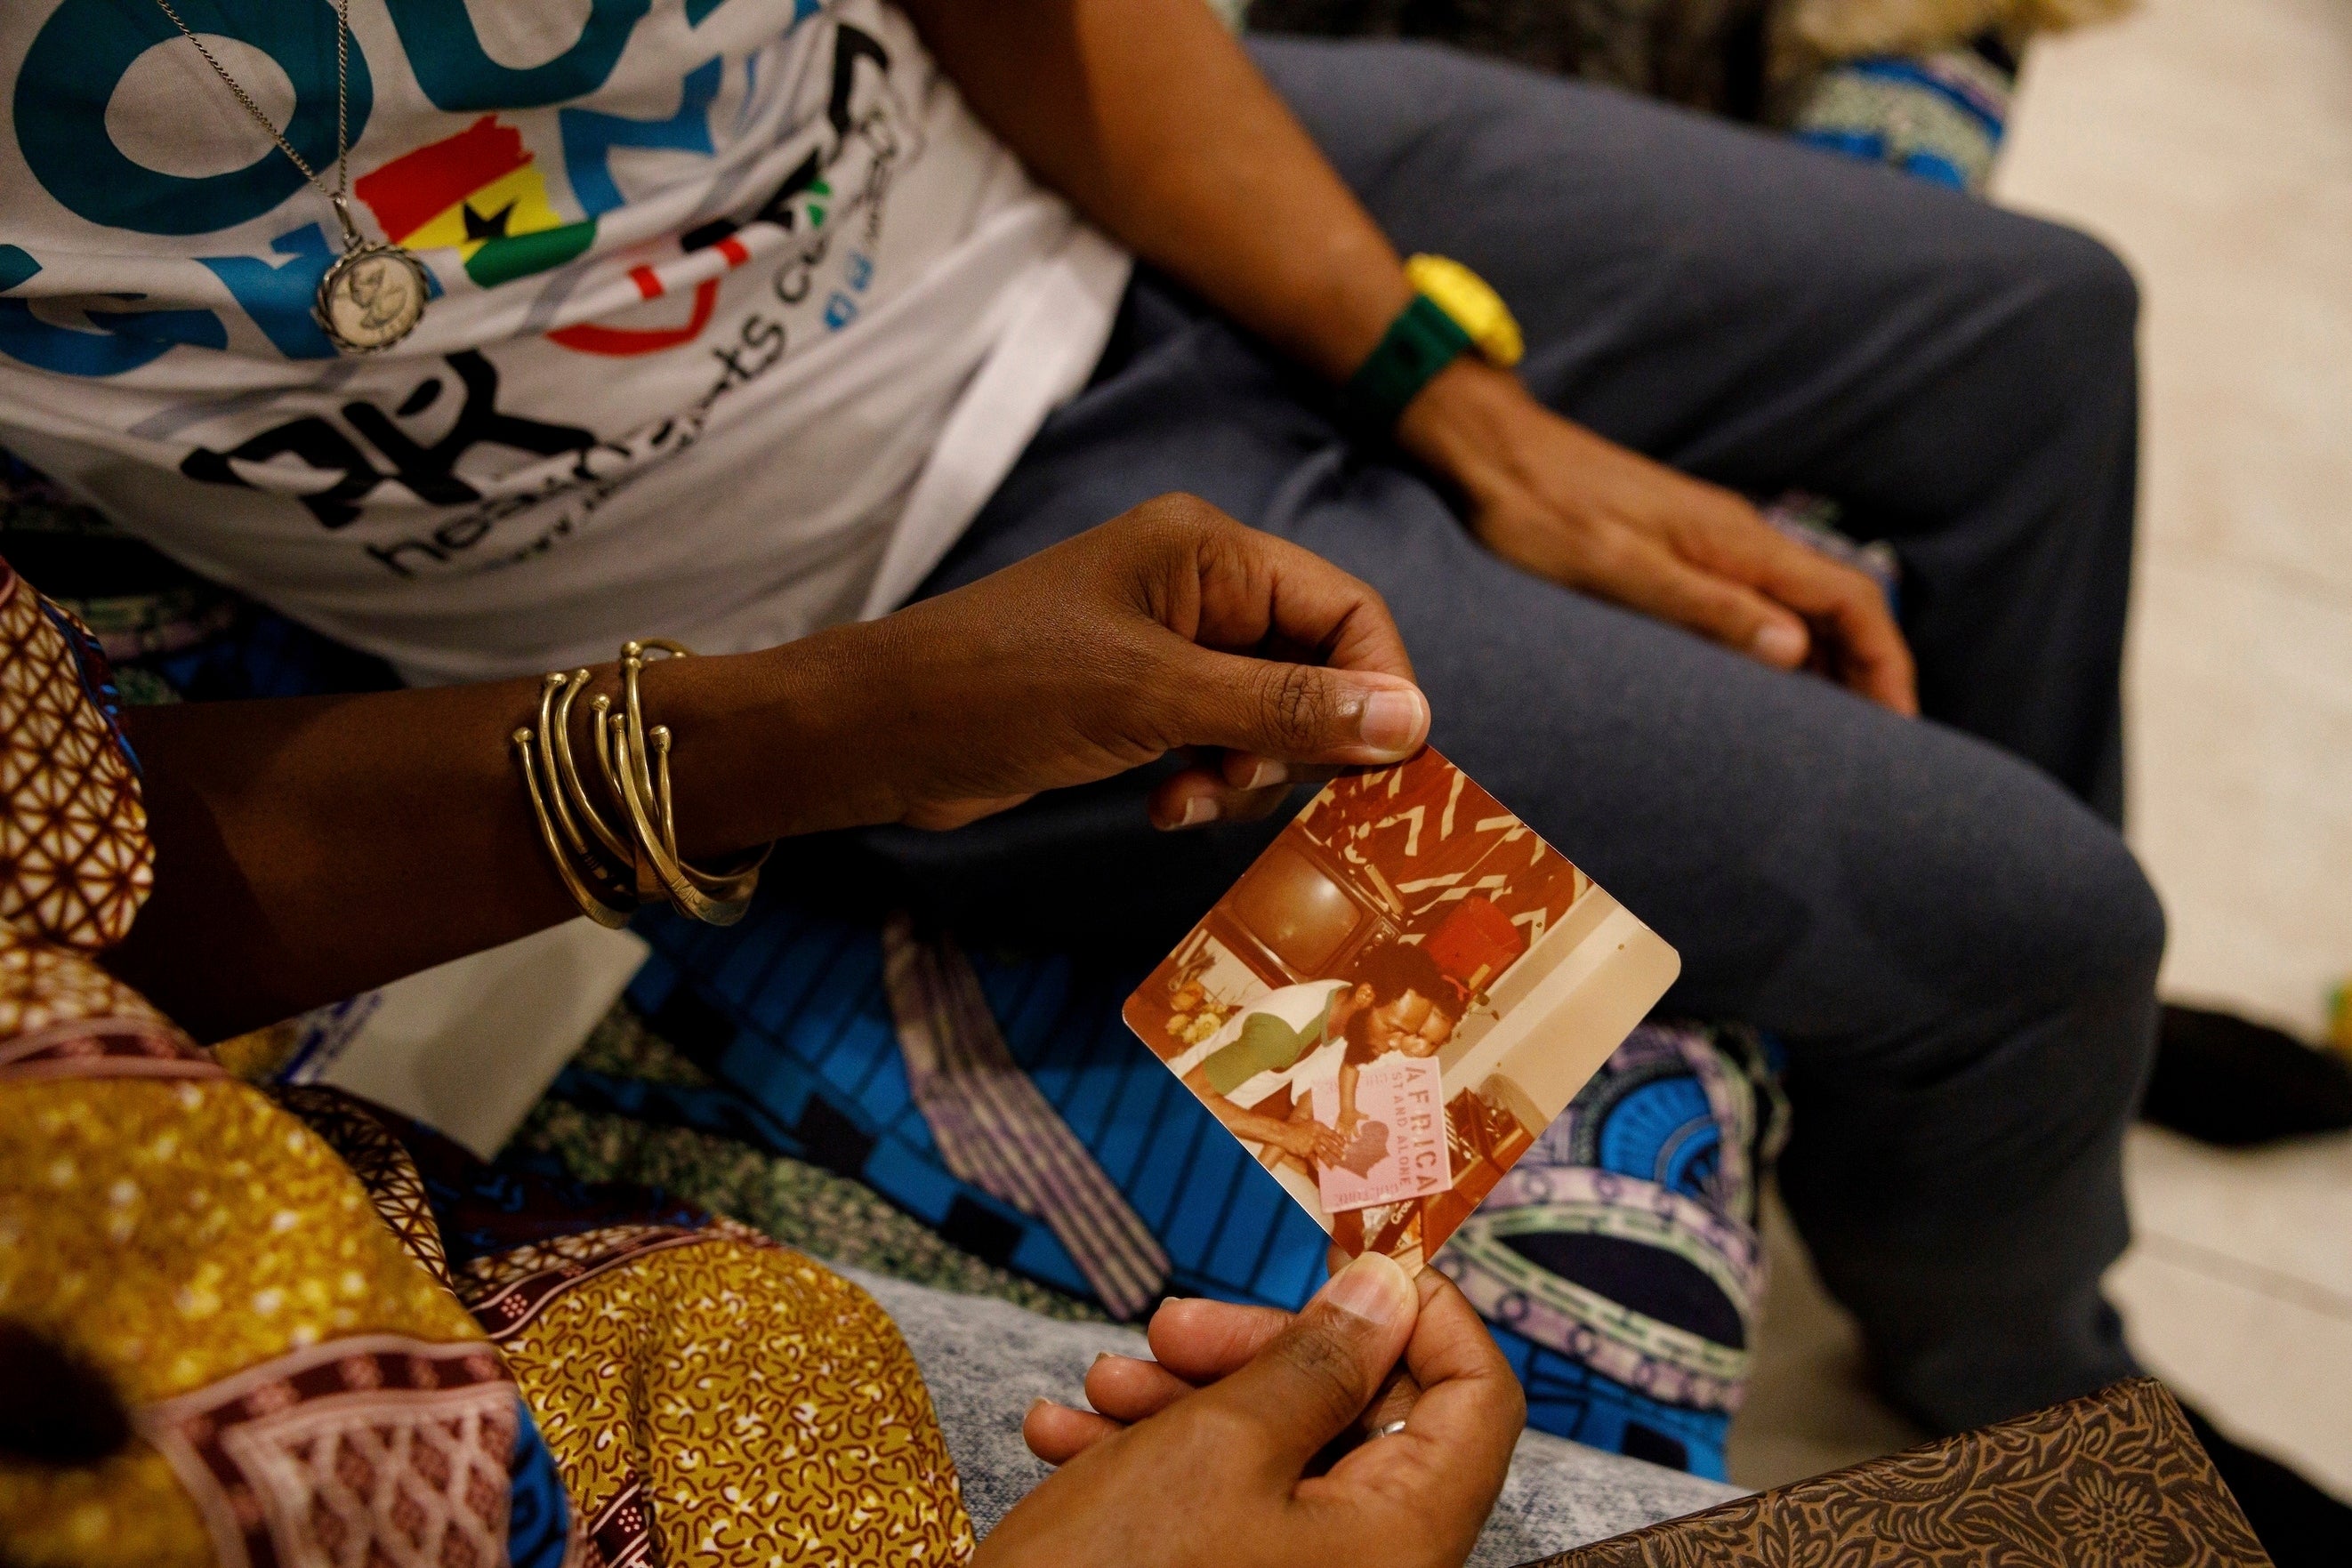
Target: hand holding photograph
(1396,998)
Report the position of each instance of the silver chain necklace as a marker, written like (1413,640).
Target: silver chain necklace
(374,294)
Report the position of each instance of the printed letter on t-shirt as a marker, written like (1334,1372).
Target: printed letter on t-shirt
(80,55)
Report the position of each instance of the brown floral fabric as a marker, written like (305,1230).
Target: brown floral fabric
(2113,1480)
(75,863)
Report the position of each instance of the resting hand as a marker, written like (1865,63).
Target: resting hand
(1169,628)
(1217,1474)
(1303,1139)
(1331,1143)
(1563,502)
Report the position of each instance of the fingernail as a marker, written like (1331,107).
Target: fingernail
(1393,720)
(1267,771)
(1198,809)
(1778,642)
(1371,1288)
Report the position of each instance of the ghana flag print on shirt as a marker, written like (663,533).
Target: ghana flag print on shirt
(479,194)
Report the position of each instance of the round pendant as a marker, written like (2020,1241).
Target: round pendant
(372,299)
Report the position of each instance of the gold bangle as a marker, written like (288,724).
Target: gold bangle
(609,870)
(635,762)
(653,754)
(611,915)
(556,762)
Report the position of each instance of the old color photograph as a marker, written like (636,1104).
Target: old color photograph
(1396,998)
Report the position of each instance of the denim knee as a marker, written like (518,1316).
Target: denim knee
(2071,1047)
(2078,311)
(2114,942)
(2096,284)
(2017,897)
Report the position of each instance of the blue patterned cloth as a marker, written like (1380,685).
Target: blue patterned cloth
(1938,117)
(1619,1263)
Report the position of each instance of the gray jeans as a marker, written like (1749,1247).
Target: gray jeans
(1937,917)
(985,1361)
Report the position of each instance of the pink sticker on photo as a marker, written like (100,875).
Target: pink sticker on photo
(1388,1135)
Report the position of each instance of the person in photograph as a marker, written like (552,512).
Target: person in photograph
(1416,1020)
(1275,1043)
(1300,1035)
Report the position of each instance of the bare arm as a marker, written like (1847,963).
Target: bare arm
(1292,1137)
(1149,117)
(1153,120)
(308,849)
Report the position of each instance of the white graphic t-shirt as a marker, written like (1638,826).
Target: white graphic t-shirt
(739,314)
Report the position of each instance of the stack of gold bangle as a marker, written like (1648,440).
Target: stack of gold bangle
(610,873)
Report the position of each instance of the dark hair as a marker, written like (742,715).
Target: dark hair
(1395,967)
(1392,971)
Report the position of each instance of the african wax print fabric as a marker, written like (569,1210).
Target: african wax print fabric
(336,1338)
(765,1409)
(73,834)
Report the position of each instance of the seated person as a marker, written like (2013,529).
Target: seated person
(735,323)
(240,1327)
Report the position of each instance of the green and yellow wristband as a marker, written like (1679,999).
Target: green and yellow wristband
(1453,311)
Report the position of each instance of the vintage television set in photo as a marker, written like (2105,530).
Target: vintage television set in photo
(1397,997)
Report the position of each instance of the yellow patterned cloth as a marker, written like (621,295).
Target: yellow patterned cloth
(174,1234)
(312,1372)
(748,1362)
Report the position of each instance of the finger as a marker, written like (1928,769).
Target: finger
(1237,787)
(1398,1390)
(1873,657)
(1196,797)
(1318,1374)
(1129,1389)
(1257,589)
(1201,1341)
(1057,1434)
(1290,712)
(1445,1469)
(1643,573)
(1398,1394)
(1465,1414)
(1247,770)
